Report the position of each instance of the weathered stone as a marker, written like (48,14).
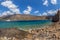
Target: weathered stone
(14,33)
(56,17)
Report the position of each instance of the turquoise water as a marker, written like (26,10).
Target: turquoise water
(25,24)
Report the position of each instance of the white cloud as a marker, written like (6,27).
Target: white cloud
(44,14)
(52,12)
(54,2)
(28,10)
(45,3)
(36,11)
(39,14)
(49,12)
(5,13)
(11,6)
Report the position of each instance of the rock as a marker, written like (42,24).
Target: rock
(56,17)
(14,33)
(22,17)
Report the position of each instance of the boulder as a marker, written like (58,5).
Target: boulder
(56,17)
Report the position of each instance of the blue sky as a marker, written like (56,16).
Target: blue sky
(31,7)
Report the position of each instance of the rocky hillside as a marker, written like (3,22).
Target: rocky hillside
(23,17)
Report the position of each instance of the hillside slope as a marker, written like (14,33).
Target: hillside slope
(23,17)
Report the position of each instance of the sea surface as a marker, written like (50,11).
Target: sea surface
(25,24)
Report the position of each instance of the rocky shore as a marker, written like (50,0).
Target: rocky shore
(48,33)
(13,34)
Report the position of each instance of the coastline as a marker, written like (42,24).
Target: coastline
(46,33)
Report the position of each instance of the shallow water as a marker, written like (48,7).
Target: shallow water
(25,24)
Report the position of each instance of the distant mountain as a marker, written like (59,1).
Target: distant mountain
(22,17)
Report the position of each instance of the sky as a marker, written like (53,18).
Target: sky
(29,7)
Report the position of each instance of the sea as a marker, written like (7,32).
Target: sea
(30,24)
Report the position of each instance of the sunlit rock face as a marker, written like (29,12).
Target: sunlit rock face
(56,17)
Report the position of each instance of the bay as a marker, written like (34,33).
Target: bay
(30,24)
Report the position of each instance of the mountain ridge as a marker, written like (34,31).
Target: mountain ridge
(23,17)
